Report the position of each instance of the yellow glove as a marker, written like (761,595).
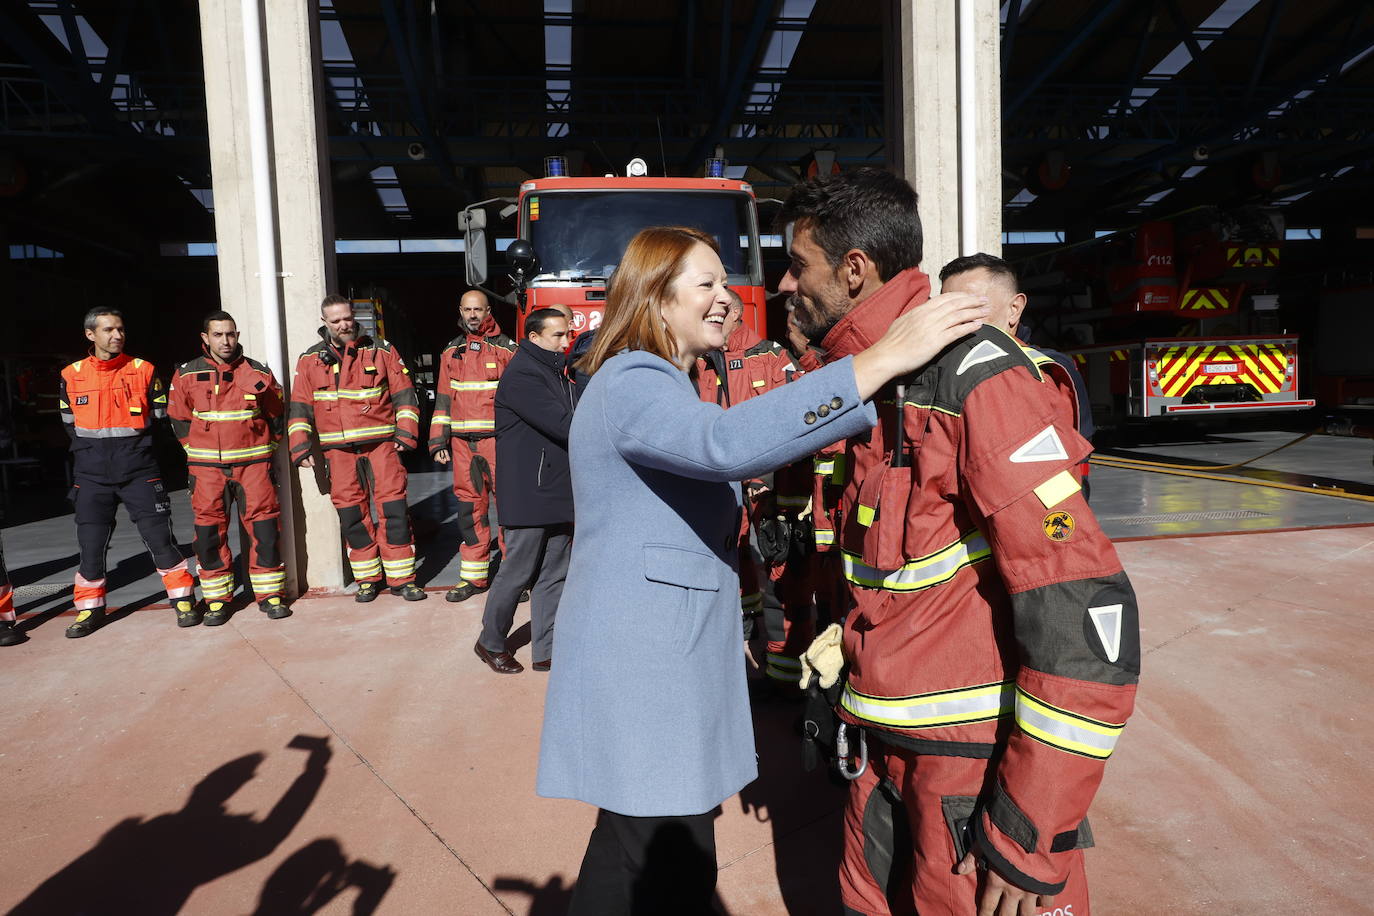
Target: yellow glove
(824,658)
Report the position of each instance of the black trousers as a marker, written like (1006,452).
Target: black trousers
(534,557)
(647,865)
(149,507)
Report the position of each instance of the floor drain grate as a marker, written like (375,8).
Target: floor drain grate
(41,590)
(1214,515)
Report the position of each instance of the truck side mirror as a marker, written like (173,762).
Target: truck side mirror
(473,223)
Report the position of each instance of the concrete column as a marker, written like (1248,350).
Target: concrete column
(304,219)
(921,70)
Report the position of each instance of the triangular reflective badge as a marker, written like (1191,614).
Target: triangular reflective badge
(1107,620)
(985,352)
(1043,446)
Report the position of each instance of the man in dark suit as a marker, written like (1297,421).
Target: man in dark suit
(534,409)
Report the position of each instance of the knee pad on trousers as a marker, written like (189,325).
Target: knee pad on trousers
(265,533)
(93,539)
(397,523)
(207,546)
(467,528)
(481,474)
(354,531)
(887,840)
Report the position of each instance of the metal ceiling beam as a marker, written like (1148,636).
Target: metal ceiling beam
(1270,27)
(401,48)
(1080,34)
(744,65)
(1185,32)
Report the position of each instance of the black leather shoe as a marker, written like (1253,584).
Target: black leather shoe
(545,665)
(410,592)
(367,591)
(524,595)
(463,591)
(9,633)
(187,615)
(87,622)
(274,608)
(500,662)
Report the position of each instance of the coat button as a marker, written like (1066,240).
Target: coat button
(809,417)
(836,403)
(823,410)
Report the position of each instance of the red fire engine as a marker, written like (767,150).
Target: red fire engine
(1188,329)
(571,233)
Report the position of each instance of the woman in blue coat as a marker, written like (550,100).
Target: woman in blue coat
(647,714)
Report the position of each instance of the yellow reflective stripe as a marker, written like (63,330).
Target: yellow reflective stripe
(923,572)
(962,706)
(224,415)
(1064,730)
(824,537)
(866,515)
(407,412)
(758,383)
(473,386)
(824,467)
(439,418)
(363,568)
(363,433)
(299,426)
(353,394)
(1057,489)
(473,425)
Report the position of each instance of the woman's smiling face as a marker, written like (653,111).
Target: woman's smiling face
(695,315)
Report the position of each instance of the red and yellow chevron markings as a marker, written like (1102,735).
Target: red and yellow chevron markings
(1262,365)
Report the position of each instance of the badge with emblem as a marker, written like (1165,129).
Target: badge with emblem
(1059,526)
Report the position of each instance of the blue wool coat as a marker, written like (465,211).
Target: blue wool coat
(647,712)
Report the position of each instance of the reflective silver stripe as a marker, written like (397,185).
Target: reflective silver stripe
(923,572)
(224,415)
(1065,730)
(946,707)
(109,432)
(473,386)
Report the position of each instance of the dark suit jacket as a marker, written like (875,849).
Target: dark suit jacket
(534,409)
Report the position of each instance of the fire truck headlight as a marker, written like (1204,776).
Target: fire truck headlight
(637,168)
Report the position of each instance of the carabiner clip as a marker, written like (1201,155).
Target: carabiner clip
(842,753)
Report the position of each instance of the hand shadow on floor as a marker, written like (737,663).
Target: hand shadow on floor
(151,866)
(312,876)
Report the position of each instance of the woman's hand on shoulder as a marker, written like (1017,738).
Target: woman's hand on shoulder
(916,337)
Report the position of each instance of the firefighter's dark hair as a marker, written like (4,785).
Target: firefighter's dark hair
(981,261)
(869,209)
(334,299)
(221,315)
(637,292)
(91,316)
(535,320)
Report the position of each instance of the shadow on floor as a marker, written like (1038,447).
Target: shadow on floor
(152,865)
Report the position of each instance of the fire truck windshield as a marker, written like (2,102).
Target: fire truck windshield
(581,235)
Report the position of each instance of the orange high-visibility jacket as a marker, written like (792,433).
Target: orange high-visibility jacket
(752,366)
(226,413)
(108,408)
(469,370)
(354,395)
(991,615)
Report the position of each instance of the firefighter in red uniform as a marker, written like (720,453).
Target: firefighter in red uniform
(9,634)
(993,646)
(227,411)
(751,366)
(109,403)
(354,393)
(464,430)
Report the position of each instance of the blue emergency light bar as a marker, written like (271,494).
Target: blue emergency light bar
(555,167)
(715,168)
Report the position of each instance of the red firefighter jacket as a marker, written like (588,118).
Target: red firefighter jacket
(469,370)
(354,395)
(108,407)
(226,413)
(991,615)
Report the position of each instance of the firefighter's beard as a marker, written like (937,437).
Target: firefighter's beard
(812,317)
(344,338)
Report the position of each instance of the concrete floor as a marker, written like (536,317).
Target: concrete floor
(359,759)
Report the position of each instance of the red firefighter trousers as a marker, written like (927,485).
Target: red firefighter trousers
(904,835)
(474,482)
(252,487)
(374,471)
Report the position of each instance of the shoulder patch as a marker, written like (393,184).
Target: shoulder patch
(985,351)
